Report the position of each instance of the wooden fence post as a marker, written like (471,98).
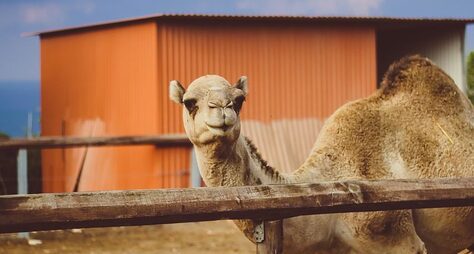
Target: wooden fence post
(272,240)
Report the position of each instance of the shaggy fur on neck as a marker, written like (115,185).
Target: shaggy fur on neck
(268,170)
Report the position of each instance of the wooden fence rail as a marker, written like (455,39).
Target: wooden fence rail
(63,142)
(266,202)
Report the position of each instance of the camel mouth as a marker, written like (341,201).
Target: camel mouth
(219,130)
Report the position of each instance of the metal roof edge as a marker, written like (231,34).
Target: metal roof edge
(91,25)
(254,17)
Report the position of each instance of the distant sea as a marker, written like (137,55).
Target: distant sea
(17,98)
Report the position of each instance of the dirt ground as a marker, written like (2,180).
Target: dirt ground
(186,238)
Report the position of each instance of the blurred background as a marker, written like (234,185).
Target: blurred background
(88,68)
(83,68)
(20,56)
(101,68)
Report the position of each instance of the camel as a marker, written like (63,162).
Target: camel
(417,125)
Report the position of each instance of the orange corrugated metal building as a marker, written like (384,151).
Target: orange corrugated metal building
(112,79)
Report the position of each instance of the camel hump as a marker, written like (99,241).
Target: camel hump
(416,73)
(420,79)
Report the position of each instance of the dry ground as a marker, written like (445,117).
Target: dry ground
(186,238)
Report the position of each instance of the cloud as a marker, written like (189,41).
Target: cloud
(364,7)
(86,7)
(310,7)
(47,13)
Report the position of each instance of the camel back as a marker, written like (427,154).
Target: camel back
(425,83)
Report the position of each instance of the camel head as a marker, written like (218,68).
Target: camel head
(211,108)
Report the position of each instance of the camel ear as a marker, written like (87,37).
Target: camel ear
(176,91)
(242,85)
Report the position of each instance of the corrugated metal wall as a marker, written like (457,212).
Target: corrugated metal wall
(94,83)
(113,80)
(294,71)
(298,76)
(286,143)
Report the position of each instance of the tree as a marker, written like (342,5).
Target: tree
(470,76)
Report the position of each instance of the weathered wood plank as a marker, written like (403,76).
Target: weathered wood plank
(273,238)
(265,202)
(62,142)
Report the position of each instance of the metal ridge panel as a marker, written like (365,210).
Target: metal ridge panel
(375,20)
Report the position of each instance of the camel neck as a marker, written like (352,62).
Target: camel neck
(235,164)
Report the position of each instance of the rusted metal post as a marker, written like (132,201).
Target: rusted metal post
(194,175)
(22,164)
(269,237)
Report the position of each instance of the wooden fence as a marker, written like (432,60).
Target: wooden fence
(168,140)
(268,205)
(64,142)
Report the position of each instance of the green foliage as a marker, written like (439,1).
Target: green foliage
(3,136)
(470,76)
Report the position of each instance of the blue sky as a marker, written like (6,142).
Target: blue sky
(19,56)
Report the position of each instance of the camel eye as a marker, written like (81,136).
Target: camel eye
(190,105)
(238,103)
